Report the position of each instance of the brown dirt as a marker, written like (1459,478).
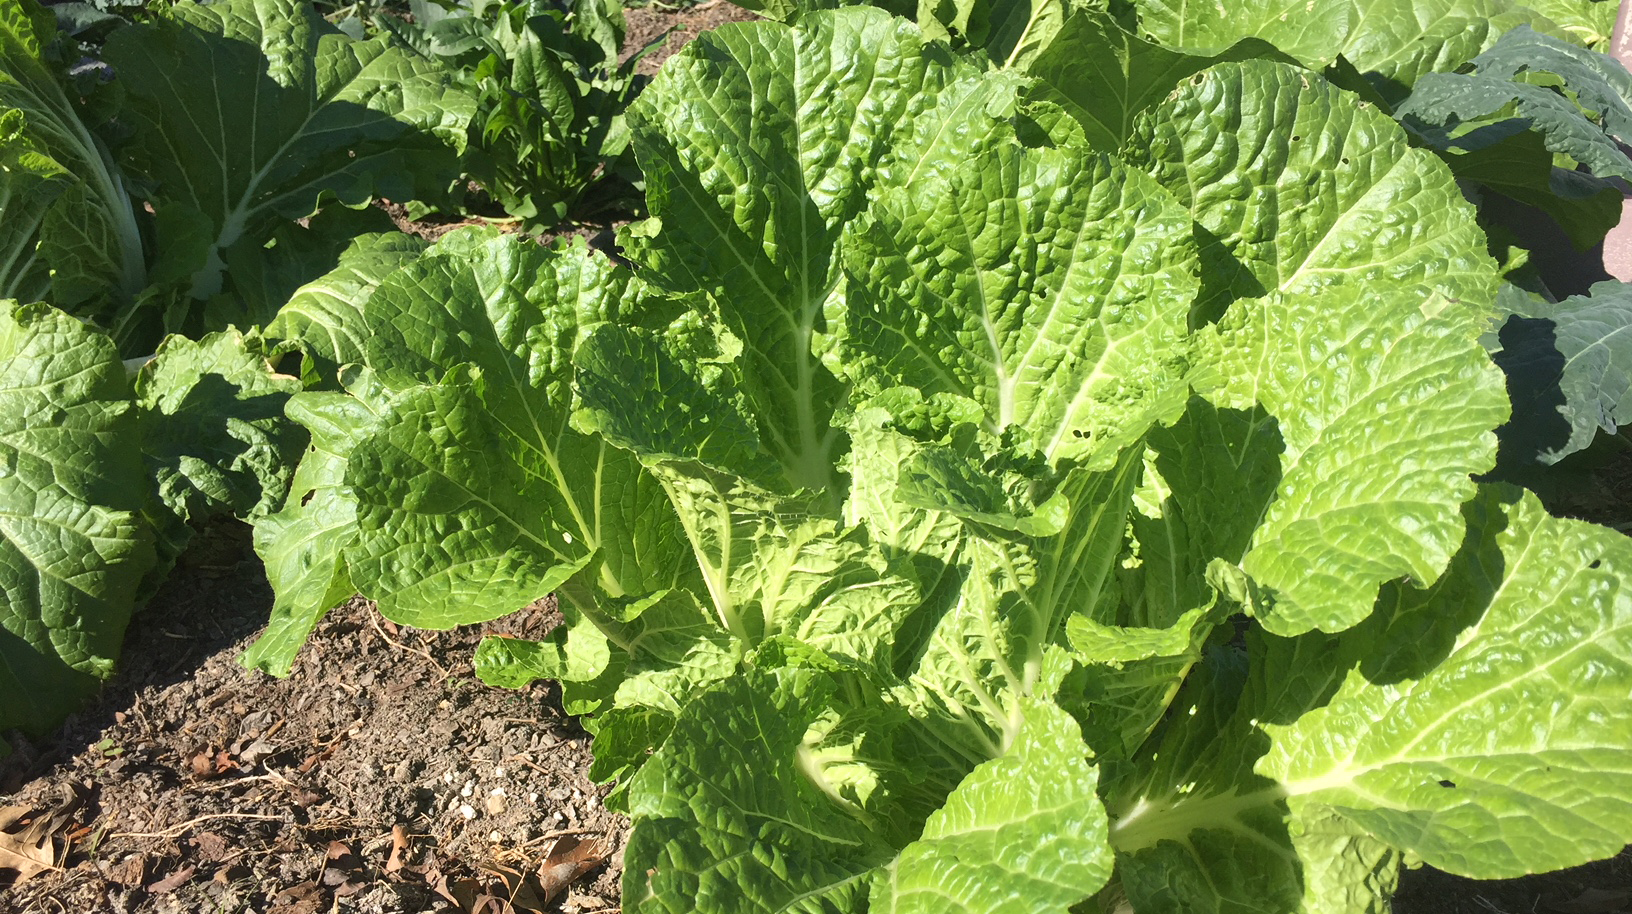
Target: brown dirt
(207,787)
(648,24)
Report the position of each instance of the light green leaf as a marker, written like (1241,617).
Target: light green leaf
(1588,23)
(759,143)
(1311,33)
(1320,550)
(1373,279)
(73,546)
(214,435)
(326,314)
(1105,75)
(1394,43)
(727,818)
(1078,353)
(1297,187)
(458,520)
(304,543)
(1287,790)
(1024,830)
(985,651)
(1431,742)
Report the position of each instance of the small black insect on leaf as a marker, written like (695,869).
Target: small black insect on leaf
(1447,783)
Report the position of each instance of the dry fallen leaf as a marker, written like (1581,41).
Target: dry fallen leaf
(343,870)
(28,851)
(568,861)
(399,847)
(211,846)
(298,899)
(519,894)
(173,881)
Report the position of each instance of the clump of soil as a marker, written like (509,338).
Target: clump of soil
(380,773)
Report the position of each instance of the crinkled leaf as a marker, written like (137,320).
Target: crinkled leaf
(1320,550)
(267,272)
(72,544)
(983,654)
(759,143)
(1588,23)
(1024,830)
(471,500)
(1394,43)
(1105,75)
(1079,352)
(1311,33)
(454,513)
(1351,325)
(326,314)
(1431,741)
(727,819)
(303,544)
(214,434)
(293,110)
(1296,188)
(1413,731)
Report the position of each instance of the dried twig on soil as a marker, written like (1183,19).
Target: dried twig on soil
(176,831)
(374,619)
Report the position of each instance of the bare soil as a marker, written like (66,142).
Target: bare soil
(673,28)
(380,776)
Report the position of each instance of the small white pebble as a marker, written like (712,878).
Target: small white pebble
(496,792)
(447,777)
(532,797)
(468,811)
(468,789)
(498,772)
(495,837)
(559,817)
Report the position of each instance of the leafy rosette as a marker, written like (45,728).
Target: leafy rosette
(905,503)
(100,473)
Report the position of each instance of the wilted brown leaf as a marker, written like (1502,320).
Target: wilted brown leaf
(519,892)
(173,881)
(211,846)
(343,870)
(399,848)
(29,851)
(568,862)
(304,898)
(130,872)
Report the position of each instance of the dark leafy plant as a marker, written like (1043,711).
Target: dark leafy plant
(549,142)
(203,204)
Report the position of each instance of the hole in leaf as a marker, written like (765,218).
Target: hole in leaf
(307,498)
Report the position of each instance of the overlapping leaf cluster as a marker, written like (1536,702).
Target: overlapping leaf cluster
(240,126)
(954,511)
